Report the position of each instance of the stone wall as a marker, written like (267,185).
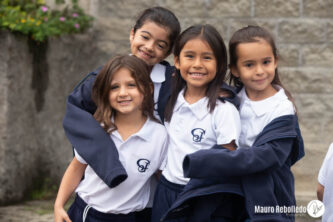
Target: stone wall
(303,30)
(18,144)
(33,148)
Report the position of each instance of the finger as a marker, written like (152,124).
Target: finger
(66,218)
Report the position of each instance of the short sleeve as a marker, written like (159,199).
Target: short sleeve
(79,158)
(226,123)
(325,166)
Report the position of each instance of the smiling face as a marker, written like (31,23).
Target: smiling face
(255,67)
(197,64)
(124,96)
(150,43)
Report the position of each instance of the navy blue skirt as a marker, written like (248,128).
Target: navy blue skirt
(165,195)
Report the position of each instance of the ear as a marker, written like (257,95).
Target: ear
(131,37)
(234,71)
(176,62)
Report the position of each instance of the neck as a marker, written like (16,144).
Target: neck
(260,95)
(128,124)
(192,94)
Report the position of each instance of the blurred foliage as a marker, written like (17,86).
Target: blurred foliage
(35,19)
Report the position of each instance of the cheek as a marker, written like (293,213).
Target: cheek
(213,69)
(141,98)
(163,53)
(183,74)
(134,44)
(133,48)
(111,98)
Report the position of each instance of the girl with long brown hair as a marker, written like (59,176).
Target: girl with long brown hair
(123,94)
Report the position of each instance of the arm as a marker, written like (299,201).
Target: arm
(88,137)
(230,146)
(240,162)
(323,173)
(70,181)
(320,191)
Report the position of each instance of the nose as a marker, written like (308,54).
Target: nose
(259,70)
(123,92)
(197,63)
(149,45)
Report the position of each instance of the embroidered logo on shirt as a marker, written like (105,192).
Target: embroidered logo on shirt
(142,165)
(198,134)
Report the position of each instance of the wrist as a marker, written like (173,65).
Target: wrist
(58,205)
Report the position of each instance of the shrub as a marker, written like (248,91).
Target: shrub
(35,19)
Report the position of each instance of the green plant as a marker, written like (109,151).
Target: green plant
(35,19)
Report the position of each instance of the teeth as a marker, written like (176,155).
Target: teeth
(197,74)
(146,54)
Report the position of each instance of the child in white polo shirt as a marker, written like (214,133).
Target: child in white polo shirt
(194,117)
(270,141)
(325,185)
(123,95)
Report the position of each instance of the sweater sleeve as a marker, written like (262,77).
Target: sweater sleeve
(218,162)
(88,137)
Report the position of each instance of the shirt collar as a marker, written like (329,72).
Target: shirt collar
(157,73)
(144,133)
(199,108)
(263,106)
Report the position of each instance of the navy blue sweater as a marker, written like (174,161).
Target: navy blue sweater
(266,178)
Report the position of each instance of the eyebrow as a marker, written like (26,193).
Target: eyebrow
(251,60)
(160,40)
(204,53)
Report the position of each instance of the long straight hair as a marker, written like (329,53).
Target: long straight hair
(210,35)
(102,87)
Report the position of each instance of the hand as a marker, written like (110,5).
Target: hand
(230,146)
(60,215)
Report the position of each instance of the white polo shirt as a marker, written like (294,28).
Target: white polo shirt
(325,178)
(157,75)
(255,115)
(142,155)
(193,128)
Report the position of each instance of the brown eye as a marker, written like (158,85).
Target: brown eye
(266,62)
(248,65)
(113,87)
